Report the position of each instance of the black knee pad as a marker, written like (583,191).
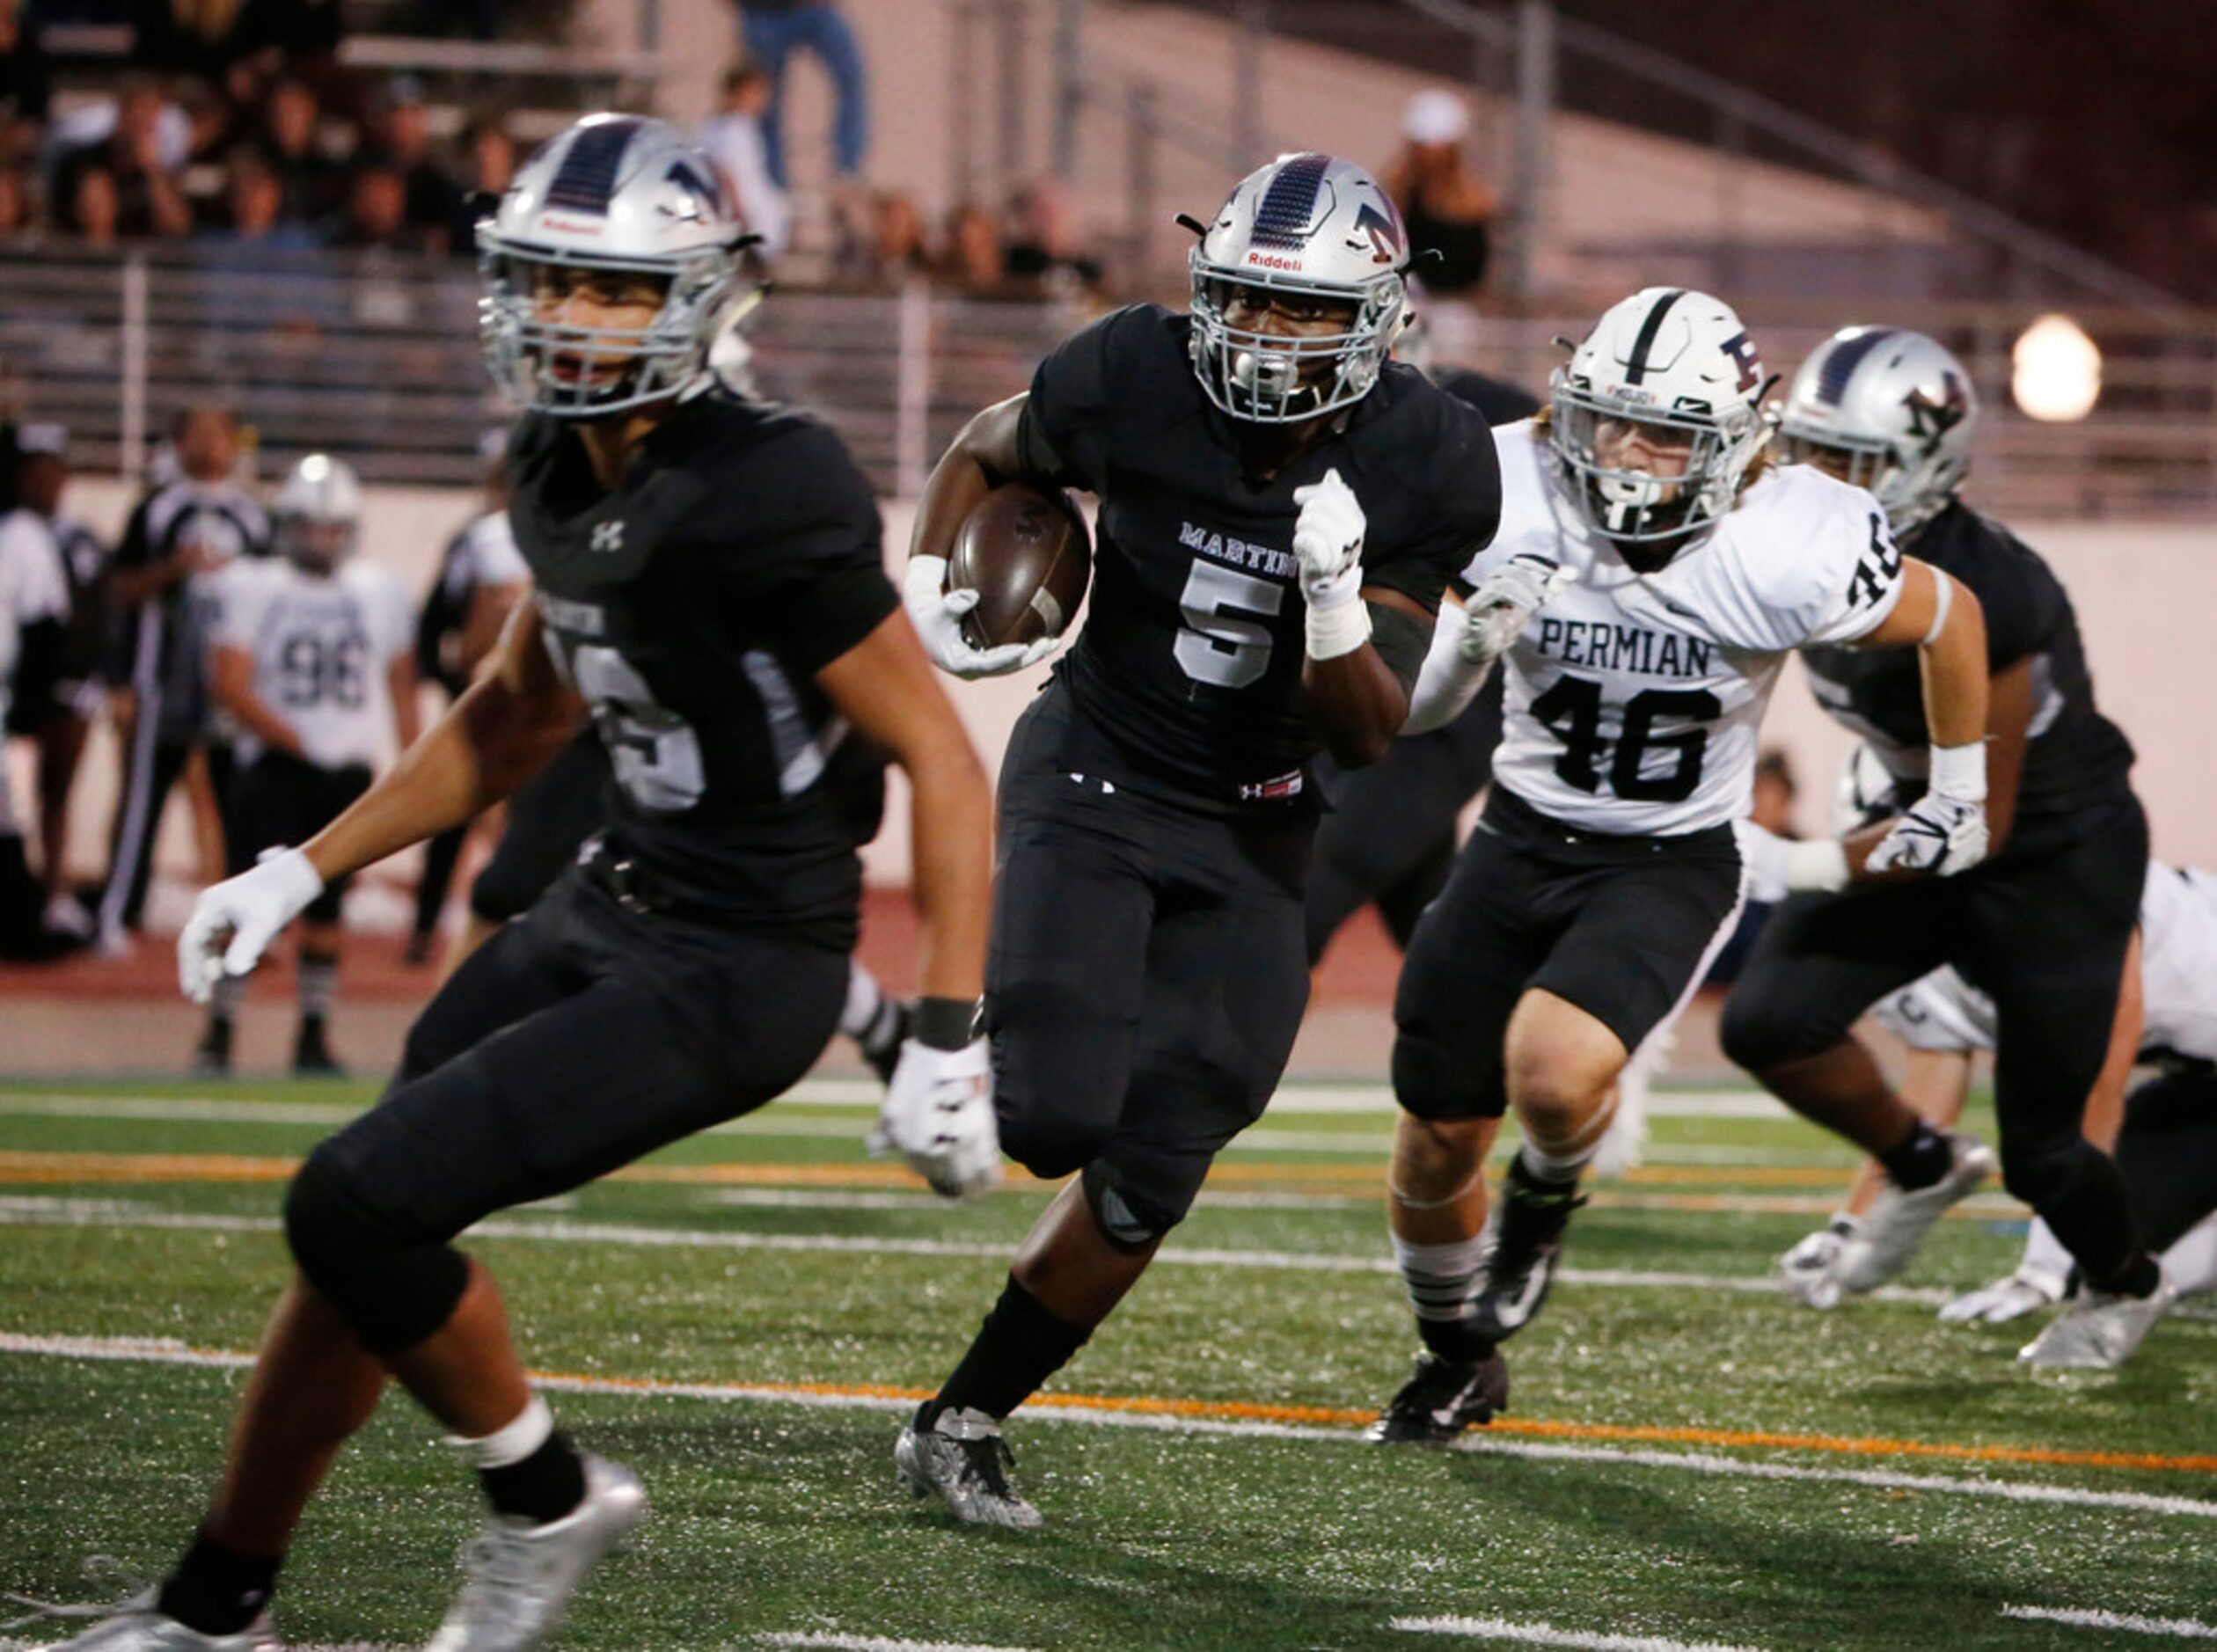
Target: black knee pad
(1436,1081)
(2044,1169)
(1131,1213)
(1041,1132)
(1758,1034)
(393,1287)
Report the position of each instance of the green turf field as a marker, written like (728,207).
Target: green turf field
(1691,1461)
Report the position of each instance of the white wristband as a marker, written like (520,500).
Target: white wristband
(1336,631)
(1819,863)
(1958,772)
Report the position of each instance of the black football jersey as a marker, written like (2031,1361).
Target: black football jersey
(2078,762)
(692,607)
(1186,679)
(1500,402)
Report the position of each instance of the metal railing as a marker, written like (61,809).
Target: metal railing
(377,358)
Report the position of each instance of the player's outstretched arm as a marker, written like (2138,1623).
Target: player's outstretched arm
(500,734)
(988,452)
(938,1109)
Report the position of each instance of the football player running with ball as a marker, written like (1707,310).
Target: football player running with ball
(709,588)
(1650,576)
(2043,928)
(1280,510)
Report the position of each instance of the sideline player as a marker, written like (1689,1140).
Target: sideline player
(1280,509)
(710,586)
(481,578)
(2170,992)
(1650,576)
(2043,926)
(314,661)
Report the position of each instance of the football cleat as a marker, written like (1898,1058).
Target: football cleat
(1527,1247)
(137,1626)
(2097,1331)
(311,1051)
(963,1458)
(1896,1223)
(1811,1270)
(1442,1398)
(521,1575)
(2025,1292)
(212,1056)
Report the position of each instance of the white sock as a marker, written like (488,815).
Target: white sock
(1440,1277)
(1545,1165)
(2192,1262)
(865,999)
(512,1443)
(2044,1253)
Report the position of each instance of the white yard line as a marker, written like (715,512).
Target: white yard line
(1548,1634)
(167,1351)
(2129,1622)
(32,1212)
(875,1643)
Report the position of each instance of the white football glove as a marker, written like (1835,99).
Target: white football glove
(937,614)
(1505,601)
(1809,1271)
(1764,853)
(938,1113)
(1938,834)
(1327,542)
(233,923)
(2024,1292)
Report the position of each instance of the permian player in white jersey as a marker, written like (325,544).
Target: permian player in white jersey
(314,656)
(1650,576)
(2166,1148)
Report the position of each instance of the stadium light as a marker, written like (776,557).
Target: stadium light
(2056,373)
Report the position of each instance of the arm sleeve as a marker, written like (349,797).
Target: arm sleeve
(1463,516)
(239,600)
(1861,581)
(1811,564)
(492,552)
(1064,433)
(810,550)
(2022,606)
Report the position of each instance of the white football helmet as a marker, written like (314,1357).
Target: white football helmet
(1900,409)
(317,517)
(619,193)
(1674,371)
(1319,227)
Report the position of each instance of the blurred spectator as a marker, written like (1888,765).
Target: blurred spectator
(25,91)
(312,183)
(972,256)
(772,30)
(488,167)
(16,200)
(376,213)
(1042,247)
(126,186)
(253,209)
(237,47)
(402,143)
(1449,213)
(735,140)
(894,248)
(481,19)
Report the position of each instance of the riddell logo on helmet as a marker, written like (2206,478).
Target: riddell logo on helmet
(1273,260)
(571,226)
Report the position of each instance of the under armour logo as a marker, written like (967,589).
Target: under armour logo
(608,535)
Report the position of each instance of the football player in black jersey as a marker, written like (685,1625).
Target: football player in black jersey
(2043,926)
(1280,509)
(1390,837)
(710,589)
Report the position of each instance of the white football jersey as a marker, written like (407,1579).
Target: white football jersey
(2179,980)
(489,553)
(322,647)
(1633,700)
(32,586)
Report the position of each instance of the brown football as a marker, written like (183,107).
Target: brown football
(1027,555)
